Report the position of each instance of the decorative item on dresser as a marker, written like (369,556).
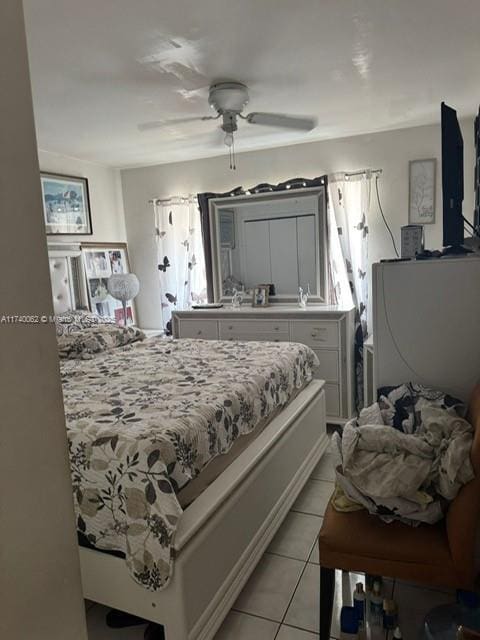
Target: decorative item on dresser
(327,329)
(260,295)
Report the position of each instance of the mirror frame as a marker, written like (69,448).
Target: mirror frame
(217,204)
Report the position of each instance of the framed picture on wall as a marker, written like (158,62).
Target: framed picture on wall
(100,261)
(66,204)
(422,186)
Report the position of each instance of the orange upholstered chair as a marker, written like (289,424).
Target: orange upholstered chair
(437,555)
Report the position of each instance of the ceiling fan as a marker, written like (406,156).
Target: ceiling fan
(229,99)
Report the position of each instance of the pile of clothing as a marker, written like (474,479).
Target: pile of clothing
(405,457)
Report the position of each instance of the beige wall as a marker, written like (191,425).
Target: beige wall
(106,200)
(40,591)
(389,150)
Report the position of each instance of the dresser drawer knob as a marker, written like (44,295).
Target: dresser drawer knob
(230,327)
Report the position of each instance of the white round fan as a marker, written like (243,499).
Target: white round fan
(229,100)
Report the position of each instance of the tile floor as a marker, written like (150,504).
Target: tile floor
(280,601)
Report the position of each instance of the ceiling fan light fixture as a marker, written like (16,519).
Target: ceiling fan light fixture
(228,140)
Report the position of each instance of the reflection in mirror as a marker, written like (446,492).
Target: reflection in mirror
(276,241)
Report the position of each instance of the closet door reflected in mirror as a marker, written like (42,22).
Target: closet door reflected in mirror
(275,238)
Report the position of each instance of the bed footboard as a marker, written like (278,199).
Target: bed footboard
(223,534)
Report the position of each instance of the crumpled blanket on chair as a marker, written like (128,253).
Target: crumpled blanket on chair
(405,457)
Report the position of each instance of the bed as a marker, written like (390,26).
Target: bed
(220,533)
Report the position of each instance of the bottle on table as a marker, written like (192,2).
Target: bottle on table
(376,605)
(359,603)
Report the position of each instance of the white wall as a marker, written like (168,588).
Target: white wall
(390,151)
(41,594)
(106,200)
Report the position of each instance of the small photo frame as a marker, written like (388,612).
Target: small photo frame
(66,204)
(422,187)
(260,295)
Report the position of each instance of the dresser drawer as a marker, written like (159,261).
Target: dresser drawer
(260,337)
(205,329)
(328,369)
(315,333)
(255,329)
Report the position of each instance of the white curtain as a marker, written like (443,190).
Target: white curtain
(181,264)
(349,198)
(350,204)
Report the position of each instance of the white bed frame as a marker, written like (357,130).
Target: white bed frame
(222,535)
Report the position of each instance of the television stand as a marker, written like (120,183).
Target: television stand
(456,250)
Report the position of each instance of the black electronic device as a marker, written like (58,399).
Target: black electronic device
(452,182)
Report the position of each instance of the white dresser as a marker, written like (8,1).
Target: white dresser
(328,330)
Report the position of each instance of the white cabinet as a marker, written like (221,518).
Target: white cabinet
(328,330)
(426,323)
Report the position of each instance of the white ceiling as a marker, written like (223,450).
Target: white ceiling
(101,67)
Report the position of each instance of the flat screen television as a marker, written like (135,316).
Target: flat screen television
(452,180)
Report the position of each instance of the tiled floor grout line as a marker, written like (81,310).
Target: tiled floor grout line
(291,599)
(281,555)
(254,615)
(307,513)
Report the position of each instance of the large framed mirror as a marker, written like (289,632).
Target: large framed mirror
(276,238)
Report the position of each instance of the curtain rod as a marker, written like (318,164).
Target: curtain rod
(363,172)
(172,199)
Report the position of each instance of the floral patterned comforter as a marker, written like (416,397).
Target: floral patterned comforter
(144,419)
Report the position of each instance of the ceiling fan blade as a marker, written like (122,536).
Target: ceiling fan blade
(172,122)
(279,120)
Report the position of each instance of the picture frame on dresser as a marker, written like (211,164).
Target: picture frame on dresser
(260,295)
(100,261)
(66,204)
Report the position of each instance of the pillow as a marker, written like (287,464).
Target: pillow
(78,319)
(83,344)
